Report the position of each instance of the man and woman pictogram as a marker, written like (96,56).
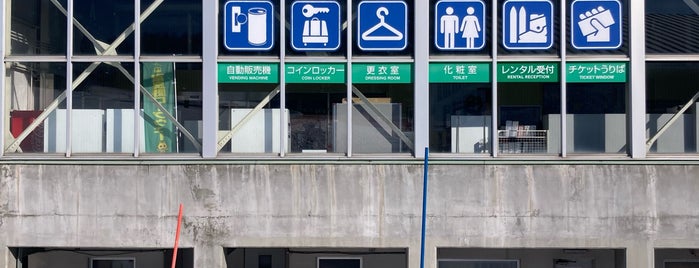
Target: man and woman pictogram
(469,28)
(461,25)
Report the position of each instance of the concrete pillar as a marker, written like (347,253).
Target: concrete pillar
(430,255)
(414,255)
(640,254)
(208,255)
(7,260)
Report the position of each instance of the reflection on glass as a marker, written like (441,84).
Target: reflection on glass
(176,88)
(104,22)
(250,131)
(460,118)
(316,117)
(173,29)
(456,263)
(103,104)
(34,90)
(528,118)
(37,27)
(669,87)
(676,19)
(382,118)
(596,118)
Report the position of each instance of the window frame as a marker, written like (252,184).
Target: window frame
(93,259)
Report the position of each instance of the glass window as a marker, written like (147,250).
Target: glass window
(177,88)
(112,262)
(530,257)
(103,22)
(339,262)
(676,258)
(173,29)
(317,121)
(36,257)
(37,27)
(103,104)
(670,86)
(460,117)
(672,26)
(596,118)
(382,118)
(36,91)
(478,264)
(249,130)
(315,257)
(528,118)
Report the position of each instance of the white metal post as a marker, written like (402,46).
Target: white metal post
(69,77)
(3,107)
(563,81)
(137,78)
(348,70)
(421,77)
(282,81)
(494,144)
(637,79)
(209,78)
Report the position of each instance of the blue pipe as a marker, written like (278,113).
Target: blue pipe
(424,208)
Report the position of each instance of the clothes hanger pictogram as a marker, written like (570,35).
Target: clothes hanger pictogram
(382,23)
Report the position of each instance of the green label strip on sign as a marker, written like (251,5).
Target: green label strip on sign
(248,73)
(596,72)
(315,73)
(459,72)
(528,72)
(382,73)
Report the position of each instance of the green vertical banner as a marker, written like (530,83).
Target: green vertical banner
(159,131)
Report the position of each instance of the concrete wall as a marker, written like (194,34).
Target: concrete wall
(636,207)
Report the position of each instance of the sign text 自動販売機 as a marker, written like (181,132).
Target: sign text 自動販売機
(248,73)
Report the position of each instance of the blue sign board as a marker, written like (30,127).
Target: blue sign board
(248,25)
(595,24)
(382,25)
(527,24)
(459,25)
(315,25)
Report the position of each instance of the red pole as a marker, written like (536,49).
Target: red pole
(177,238)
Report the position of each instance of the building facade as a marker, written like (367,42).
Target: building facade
(541,133)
